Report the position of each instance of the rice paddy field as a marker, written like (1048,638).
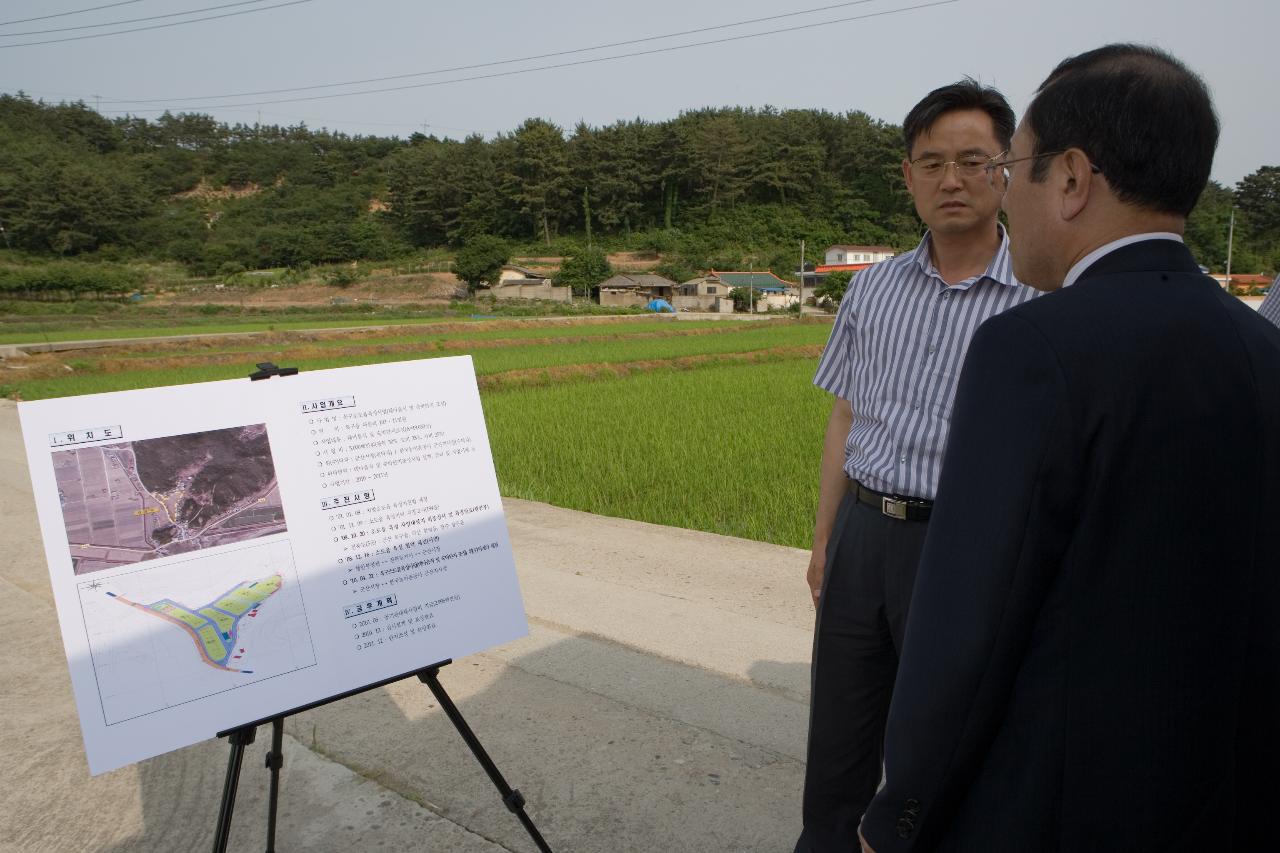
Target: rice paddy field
(710,425)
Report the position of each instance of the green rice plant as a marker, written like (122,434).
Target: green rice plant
(647,349)
(778,339)
(21,323)
(638,326)
(190,325)
(727,449)
(428,338)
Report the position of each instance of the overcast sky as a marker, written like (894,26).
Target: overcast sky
(880,63)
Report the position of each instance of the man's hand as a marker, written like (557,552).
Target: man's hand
(833,485)
(866,848)
(817,570)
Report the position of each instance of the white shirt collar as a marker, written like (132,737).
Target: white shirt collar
(1088,260)
(1000,269)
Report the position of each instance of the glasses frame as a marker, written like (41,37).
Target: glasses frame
(1003,165)
(986,167)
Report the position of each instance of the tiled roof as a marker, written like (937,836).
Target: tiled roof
(840,267)
(525,271)
(750,279)
(637,280)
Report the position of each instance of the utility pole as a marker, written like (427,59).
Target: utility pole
(800,302)
(1231,236)
(751,281)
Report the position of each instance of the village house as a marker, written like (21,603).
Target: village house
(837,256)
(851,259)
(711,291)
(841,258)
(634,289)
(704,293)
(521,283)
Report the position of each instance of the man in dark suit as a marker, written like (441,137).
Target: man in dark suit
(1092,656)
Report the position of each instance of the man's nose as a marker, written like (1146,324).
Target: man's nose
(951,176)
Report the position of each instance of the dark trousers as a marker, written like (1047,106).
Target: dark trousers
(862,614)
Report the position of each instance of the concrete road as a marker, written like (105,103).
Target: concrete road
(658,704)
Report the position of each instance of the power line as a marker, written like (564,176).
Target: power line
(64,14)
(501,61)
(131,20)
(156,26)
(498,74)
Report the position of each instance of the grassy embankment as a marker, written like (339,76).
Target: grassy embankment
(706,425)
(114,321)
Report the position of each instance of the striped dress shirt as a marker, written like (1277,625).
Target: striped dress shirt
(895,354)
(1270,307)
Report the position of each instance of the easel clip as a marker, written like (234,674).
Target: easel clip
(267,369)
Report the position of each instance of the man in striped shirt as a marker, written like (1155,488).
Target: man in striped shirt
(892,362)
(1270,307)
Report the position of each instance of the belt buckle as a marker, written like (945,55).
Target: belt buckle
(894,508)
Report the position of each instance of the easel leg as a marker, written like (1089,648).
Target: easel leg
(275,760)
(239,739)
(511,797)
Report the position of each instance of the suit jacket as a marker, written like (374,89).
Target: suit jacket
(1092,658)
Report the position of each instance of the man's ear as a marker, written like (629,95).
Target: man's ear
(1075,182)
(906,173)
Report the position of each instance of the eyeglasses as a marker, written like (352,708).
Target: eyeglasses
(998,174)
(969,166)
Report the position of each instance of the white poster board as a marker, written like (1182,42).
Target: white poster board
(228,551)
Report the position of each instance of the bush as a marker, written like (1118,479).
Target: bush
(480,260)
(584,271)
(833,286)
(342,276)
(664,241)
(678,269)
(67,279)
(558,247)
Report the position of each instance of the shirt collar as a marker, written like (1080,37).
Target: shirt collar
(1073,274)
(1000,269)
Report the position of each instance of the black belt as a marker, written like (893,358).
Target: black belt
(895,506)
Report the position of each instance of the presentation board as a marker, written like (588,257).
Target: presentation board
(227,551)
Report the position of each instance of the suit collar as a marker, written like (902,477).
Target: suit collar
(1147,255)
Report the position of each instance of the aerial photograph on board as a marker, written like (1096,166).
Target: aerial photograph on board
(138,500)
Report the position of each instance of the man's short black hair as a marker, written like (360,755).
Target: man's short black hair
(968,94)
(1141,116)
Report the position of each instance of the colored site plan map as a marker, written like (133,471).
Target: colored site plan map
(214,627)
(138,500)
(167,633)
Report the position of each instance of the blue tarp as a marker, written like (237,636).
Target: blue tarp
(660,305)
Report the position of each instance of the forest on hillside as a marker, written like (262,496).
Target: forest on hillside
(711,188)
